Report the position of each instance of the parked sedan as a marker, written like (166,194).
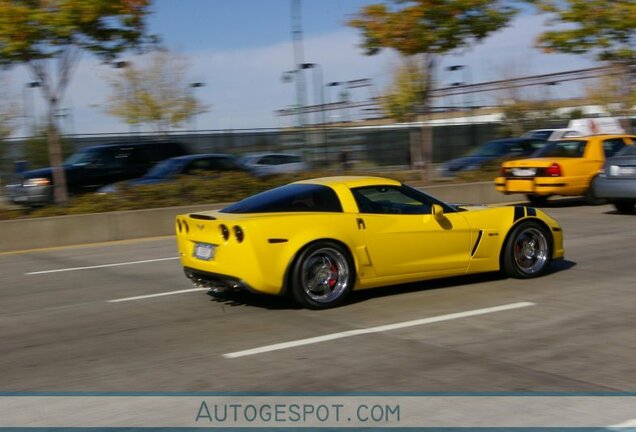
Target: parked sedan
(617,181)
(263,164)
(492,150)
(170,169)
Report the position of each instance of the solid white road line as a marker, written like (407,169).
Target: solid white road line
(100,266)
(119,300)
(378,329)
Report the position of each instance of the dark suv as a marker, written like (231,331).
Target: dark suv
(93,167)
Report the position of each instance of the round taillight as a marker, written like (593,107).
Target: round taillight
(225,232)
(553,170)
(238,233)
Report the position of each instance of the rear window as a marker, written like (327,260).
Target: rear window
(290,198)
(563,149)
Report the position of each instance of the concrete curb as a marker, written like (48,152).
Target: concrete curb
(36,233)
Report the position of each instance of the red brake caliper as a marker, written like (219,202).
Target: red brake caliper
(333,277)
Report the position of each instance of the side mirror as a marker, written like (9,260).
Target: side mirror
(438,212)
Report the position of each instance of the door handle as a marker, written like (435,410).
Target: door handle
(361,224)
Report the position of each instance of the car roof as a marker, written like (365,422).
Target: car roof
(600,136)
(129,144)
(202,156)
(351,181)
(270,154)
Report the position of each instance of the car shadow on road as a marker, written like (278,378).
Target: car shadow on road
(364,295)
(240,298)
(245,298)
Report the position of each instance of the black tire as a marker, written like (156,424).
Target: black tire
(590,196)
(322,276)
(624,206)
(537,200)
(527,252)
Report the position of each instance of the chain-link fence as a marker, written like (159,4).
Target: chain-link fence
(363,147)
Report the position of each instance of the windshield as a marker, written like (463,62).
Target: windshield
(164,169)
(490,149)
(82,157)
(562,149)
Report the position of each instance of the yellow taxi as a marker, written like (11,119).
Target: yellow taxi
(565,167)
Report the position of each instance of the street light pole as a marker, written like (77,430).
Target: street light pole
(319,93)
(31,85)
(468,102)
(193,86)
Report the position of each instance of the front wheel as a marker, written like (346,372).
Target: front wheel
(322,276)
(528,251)
(624,206)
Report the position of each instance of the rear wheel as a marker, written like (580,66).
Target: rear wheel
(528,251)
(322,276)
(624,206)
(537,200)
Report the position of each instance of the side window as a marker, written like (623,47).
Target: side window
(197,165)
(390,200)
(115,158)
(611,146)
(269,160)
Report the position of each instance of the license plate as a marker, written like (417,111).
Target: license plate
(627,171)
(524,172)
(204,251)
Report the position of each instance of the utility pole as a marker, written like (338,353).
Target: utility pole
(297,35)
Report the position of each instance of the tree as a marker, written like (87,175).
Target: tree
(429,28)
(613,92)
(606,28)
(48,37)
(402,98)
(157,93)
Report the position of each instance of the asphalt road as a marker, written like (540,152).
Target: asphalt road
(572,330)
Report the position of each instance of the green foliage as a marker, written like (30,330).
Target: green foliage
(605,27)
(401,99)
(188,190)
(156,93)
(429,26)
(613,91)
(35,30)
(521,115)
(48,36)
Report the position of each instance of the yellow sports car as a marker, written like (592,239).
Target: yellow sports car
(319,239)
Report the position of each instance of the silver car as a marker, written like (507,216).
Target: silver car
(264,164)
(617,181)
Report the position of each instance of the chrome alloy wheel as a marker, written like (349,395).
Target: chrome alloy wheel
(325,275)
(531,250)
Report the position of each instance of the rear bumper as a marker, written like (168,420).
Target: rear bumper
(614,188)
(535,186)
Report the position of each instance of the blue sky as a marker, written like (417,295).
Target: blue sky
(240,49)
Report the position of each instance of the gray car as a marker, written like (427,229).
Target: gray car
(617,181)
